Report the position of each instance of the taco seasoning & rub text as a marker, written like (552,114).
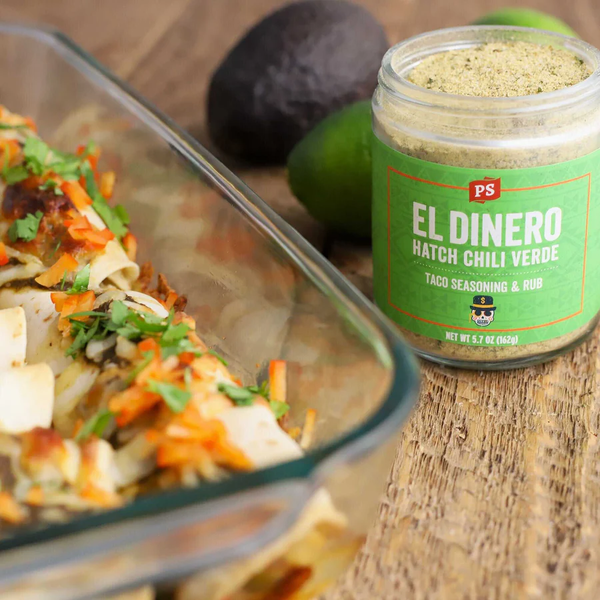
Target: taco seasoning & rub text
(486,194)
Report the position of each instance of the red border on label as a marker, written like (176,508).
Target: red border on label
(539,187)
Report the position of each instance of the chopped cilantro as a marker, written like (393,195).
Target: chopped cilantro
(39,158)
(176,348)
(84,335)
(36,153)
(88,313)
(95,425)
(15,126)
(90,148)
(116,219)
(122,213)
(279,408)
(26,228)
(66,166)
(52,184)
(81,282)
(174,339)
(175,398)
(14,174)
(119,313)
(240,396)
(109,216)
(132,325)
(146,322)
(175,333)
(262,390)
(129,332)
(245,397)
(148,356)
(217,355)
(63,281)
(55,249)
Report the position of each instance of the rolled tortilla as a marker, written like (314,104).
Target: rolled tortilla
(135,460)
(26,398)
(25,266)
(13,337)
(111,264)
(255,431)
(225,581)
(71,386)
(45,343)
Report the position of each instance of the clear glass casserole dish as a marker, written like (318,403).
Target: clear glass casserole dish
(258,291)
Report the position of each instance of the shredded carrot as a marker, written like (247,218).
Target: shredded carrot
(11,147)
(188,436)
(10,509)
(100,497)
(131,403)
(74,304)
(35,496)
(31,124)
(130,243)
(65,264)
(77,194)
(97,239)
(278,380)
(294,432)
(170,300)
(187,358)
(308,429)
(148,345)
(92,158)
(80,228)
(3,255)
(58,299)
(77,428)
(107,184)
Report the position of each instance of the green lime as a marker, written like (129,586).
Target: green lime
(526,17)
(329,171)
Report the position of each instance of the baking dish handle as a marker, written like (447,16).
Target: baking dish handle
(188,540)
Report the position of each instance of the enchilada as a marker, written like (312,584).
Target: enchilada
(138,402)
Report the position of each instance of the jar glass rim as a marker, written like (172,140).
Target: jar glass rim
(405,55)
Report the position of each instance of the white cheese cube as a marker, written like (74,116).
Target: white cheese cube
(13,337)
(255,431)
(26,398)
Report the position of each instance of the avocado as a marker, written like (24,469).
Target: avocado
(290,71)
(329,171)
(526,17)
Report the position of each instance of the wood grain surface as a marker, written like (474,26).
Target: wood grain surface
(496,490)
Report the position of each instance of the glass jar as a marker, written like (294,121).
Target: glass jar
(486,211)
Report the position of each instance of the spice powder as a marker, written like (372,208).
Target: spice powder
(500,70)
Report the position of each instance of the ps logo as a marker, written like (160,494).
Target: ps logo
(483,190)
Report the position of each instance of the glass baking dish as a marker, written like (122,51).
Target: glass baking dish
(258,291)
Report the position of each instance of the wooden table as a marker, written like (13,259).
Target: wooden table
(496,491)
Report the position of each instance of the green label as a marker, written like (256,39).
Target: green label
(490,257)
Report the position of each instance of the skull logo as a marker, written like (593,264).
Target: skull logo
(483,310)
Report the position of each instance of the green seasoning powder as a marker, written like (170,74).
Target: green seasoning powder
(500,70)
(486,218)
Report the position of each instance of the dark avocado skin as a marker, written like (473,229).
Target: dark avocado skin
(290,71)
